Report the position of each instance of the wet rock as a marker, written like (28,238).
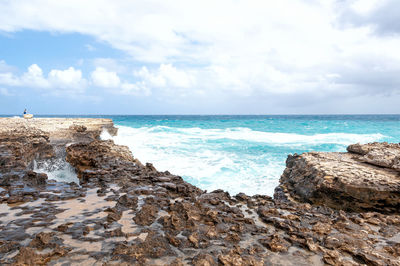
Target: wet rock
(35,179)
(275,243)
(128,201)
(235,257)
(154,246)
(45,241)
(204,260)
(147,215)
(27,256)
(177,262)
(114,214)
(19,146)
(7,246)
(13,234)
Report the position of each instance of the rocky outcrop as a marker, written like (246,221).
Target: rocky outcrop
(127,213)
(366,178)
(384,154)
(24,142)
(20,146)
(60,130)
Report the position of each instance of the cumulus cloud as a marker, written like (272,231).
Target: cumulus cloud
(104,78)
(57,82)
(69,78)
(166,77)
(247,48)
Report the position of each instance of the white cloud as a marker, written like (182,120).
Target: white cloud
(244,47)
(138,89)
(34,77)
(57,82)
(166,76)
(70,78)
(105,79)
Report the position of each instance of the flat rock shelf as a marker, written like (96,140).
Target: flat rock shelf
(330,208)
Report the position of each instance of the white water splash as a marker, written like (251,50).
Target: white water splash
(207,157)
(57,168)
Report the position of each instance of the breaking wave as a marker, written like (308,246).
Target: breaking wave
(57,168)
(234,159)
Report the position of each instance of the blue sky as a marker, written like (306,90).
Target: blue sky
(199,57)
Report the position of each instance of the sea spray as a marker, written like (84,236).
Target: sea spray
(234,159)
(57,168)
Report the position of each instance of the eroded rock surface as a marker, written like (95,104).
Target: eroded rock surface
(378,153)
(126,213)
(64,130)
(367,178)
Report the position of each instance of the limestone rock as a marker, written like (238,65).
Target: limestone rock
(378,153)
(365,179)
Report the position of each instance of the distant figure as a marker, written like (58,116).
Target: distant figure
(27,116)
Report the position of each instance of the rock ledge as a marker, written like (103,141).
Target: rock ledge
(367,178)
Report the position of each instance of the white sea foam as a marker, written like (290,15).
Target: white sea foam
(57,168)
(105,135)
(204,157)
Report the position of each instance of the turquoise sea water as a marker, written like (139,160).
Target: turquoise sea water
(243,153)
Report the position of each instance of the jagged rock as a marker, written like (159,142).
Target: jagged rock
(204,260)
(275,243)
(78,128)
(99,159)
(342,181)
(378,153)
(20,146)
(35,179)
(147,215)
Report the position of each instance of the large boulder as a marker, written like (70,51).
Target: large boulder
(367,179)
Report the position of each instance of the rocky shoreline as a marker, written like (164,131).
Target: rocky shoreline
(330,208)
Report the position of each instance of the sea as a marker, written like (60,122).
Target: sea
(242,153)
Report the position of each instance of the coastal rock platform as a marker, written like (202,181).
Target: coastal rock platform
(367,178)
(124,212)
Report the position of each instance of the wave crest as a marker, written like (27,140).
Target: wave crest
(234,159)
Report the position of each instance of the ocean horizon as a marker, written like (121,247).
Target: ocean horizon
(241,153)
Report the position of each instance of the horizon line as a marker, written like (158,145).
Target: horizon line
(346,114)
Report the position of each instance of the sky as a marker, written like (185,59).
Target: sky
(200,57)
